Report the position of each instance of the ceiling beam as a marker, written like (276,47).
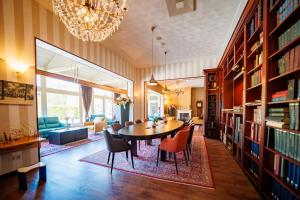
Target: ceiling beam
(81,82)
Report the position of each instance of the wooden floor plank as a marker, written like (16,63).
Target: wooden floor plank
(68,178)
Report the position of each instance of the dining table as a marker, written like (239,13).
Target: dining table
(146,131)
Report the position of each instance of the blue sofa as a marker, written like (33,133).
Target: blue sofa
(48,124)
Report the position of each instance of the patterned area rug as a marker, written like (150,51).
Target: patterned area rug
(48,149)
(198,173)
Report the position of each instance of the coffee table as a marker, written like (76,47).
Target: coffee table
(67,135)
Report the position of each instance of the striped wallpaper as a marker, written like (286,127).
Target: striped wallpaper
(176,70)
(23,20)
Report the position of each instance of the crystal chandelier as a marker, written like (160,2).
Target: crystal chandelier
(90,20)
(178,88)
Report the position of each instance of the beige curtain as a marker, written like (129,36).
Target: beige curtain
(86,99)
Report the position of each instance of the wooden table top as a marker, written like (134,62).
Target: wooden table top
(145,131)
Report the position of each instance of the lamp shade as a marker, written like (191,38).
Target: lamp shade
(152,81)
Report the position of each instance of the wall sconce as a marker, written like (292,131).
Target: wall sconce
(18,67)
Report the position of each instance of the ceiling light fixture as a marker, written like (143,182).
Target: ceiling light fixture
(90,20)
(152,81)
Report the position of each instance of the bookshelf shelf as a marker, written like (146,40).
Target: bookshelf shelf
(251,122)
(275,6)
(285,129)
(255,34)
(252,140)
(252,104)
(254,69)
(252,157)
(285,48)
(282,182)
(239,75)
(255,51)
(253,179)
(283,156)
(284,102)
(279,77)
(239,60)
(286,22)
(253,87)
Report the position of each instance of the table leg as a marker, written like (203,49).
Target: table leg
(134,147)
(163,154)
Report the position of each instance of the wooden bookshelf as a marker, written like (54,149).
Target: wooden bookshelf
(254,46)
(212,93)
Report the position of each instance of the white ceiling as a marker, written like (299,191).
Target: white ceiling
(204,32)
(54,60)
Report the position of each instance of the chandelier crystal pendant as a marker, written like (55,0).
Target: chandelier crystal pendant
(90,20)
(166,90)
(178,88)
(152,81)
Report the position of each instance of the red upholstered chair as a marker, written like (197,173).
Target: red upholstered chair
(175,145)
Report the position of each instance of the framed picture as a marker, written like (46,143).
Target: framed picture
(16,93)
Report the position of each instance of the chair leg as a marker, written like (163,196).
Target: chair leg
(169,156)
(176,163)
(126,155)
(188,156)
(139,145)
(108,158)
(190,148)
(112,162)
(185,158)
(157,156)
(131,158)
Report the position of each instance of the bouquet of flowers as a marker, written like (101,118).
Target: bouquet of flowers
(122,101)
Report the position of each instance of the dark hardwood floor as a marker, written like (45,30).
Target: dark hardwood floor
(67,178)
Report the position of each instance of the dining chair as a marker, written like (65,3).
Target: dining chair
(128,123)
(116,127)
(115,145)
(175,145)
(190,139)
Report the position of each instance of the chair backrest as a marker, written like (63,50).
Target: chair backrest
(116,127)
(109,140)
(129,123)
(180,140)
(191,134)
(138,121)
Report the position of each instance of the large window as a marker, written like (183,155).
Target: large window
(63,99)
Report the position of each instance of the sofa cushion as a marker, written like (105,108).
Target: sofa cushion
(51,120)
(53,125)
(41,120)
(42,126)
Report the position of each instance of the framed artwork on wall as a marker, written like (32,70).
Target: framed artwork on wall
(16,93)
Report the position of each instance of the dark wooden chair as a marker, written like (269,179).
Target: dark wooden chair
(115,145)
(190,139)
(116,127)
(128,123)
(138,121)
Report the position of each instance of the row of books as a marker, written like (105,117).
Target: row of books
(256,78)
(294,116)
(286,8)
(279,192)
(286,170)
(258,59)
(279,96)
(287,143)
(254,169)
(257,115)
(289,61)
(254,150)
(278,117)
(289,35)
(293,89)
(256,19)
(238,130)
(255,132)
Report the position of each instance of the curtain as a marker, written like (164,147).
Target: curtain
(86,99)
